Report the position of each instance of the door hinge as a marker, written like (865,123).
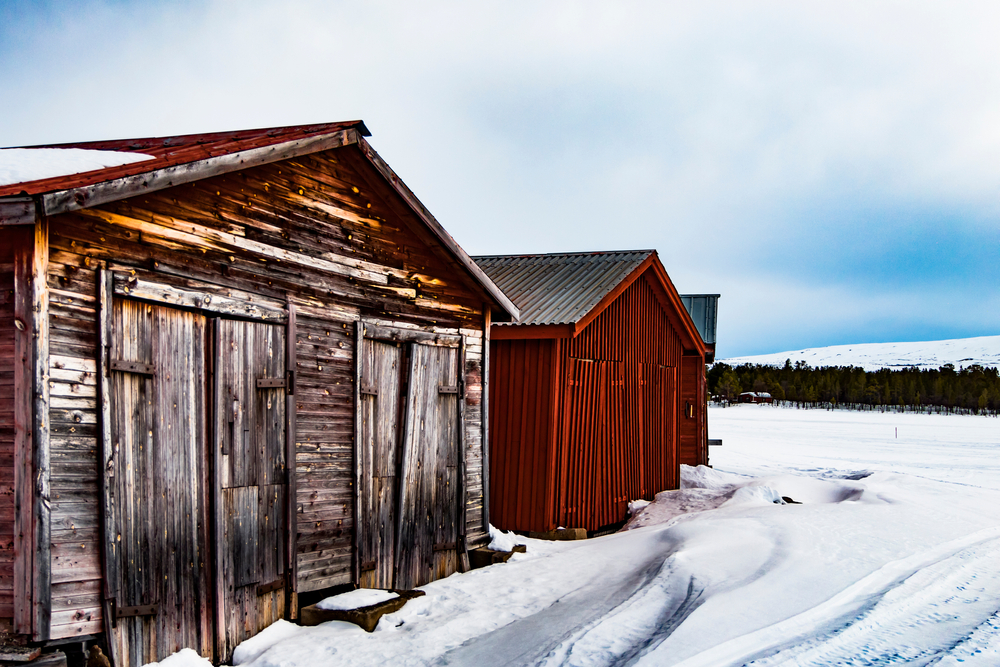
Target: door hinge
(132,367)
(137,610)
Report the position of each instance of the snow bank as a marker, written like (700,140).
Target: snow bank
(892,556)
(501,541)
(636,506)
(755,495)
(252,648)
(703,477)
(361,597)
(186,657)
(20,165)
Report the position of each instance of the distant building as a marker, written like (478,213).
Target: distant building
(755,397)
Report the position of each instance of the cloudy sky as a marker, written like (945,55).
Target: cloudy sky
(831,168)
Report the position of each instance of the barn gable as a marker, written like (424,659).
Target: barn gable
(597,392)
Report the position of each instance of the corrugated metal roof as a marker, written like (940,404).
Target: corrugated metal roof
(172,151)
(559,288)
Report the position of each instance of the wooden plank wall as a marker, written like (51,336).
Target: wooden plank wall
(6,430)
(76,537)
(320,231)
(475,460)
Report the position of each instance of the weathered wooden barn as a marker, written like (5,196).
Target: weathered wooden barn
(597,392)
(248,367)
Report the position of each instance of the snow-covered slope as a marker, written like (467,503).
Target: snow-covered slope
(984,350)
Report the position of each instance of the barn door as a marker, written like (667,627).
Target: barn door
(409,500)
(427,537)
(381,364)
(157,515)
(249,435)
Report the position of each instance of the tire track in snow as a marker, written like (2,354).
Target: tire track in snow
(533,639)
(864,624)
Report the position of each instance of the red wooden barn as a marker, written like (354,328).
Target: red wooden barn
(597,393)
(235,368)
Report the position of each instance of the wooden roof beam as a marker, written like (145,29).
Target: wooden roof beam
(117,189)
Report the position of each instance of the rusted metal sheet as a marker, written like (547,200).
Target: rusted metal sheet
(582,425)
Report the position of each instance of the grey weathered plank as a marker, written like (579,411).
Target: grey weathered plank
(378,462)
(290,516)
(22,239)
(213,302)
(109,561)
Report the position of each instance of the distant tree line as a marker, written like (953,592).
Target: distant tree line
(973,389)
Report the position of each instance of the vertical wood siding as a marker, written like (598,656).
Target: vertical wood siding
(320,230)
(7,430)
(574,450)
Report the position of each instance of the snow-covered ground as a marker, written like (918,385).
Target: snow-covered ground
(890,554)
(984,350)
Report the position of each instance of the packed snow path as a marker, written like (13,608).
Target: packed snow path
(892,557)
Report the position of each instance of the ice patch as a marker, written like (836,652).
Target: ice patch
(361,597)
(21,165)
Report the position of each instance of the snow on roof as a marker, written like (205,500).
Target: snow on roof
(178,150)
(21,165)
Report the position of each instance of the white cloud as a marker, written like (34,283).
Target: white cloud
(714,131)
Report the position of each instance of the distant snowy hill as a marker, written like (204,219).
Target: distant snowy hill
(984,350)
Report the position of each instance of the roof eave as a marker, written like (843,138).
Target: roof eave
(478,275)
(687,323)
(74,199)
